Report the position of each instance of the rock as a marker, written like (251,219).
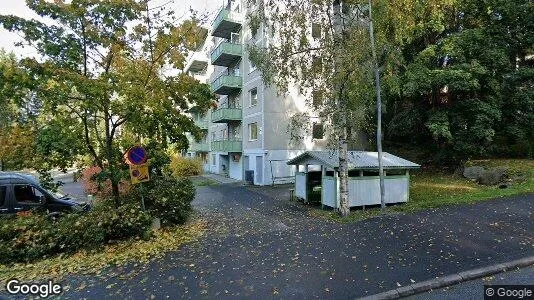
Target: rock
(156,224)
(493,176)
(459,172)
(473,172)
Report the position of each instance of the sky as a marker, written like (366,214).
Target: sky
(19,8)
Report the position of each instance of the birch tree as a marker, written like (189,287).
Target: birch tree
(322,47)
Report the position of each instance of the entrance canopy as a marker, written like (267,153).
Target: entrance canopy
(357,160)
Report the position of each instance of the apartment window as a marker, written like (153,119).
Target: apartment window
(213,136)
(252,66)
(318,131)
(254,31)
(253,131)
(213,160)
(317,98)
(253,97)
(317,63)
(316,31)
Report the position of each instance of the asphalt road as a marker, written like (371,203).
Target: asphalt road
(70,187)
(259,245)
(475,289)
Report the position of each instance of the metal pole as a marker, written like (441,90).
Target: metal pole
(378,109)
(142,196)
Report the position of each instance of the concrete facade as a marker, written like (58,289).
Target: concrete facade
(248,131)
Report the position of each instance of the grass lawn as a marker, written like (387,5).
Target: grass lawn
(202,181)
(431,190)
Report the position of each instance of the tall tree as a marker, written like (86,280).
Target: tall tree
(465,82)
(105,65)
(17,133)
(322,48)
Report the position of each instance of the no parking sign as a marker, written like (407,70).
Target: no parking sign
(137,158)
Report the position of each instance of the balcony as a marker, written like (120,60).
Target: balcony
(197,63)
(225,115)
(202,123)
(199,147)
(226,23)
(226,54)
(227,146)
(227,84)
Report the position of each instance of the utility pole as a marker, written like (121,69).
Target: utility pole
(378,110)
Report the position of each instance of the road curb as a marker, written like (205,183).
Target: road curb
(432,284)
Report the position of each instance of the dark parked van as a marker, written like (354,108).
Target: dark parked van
(21,192)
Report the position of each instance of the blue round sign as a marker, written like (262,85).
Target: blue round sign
(137,155)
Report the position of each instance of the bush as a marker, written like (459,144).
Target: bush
(36,236)
(101,190)
(129,220)
(186,167)
(167,198)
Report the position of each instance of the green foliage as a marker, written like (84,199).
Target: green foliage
(129,220)
(159,158)
(102,71)
(36,236)
(59,143)
(167,198)
(185,167)
(337,64)
(462,89)
(17,147)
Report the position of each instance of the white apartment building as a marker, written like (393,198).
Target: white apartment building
(246,135)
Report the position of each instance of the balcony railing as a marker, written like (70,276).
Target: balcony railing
(202,123)
(225,23)
(227,84)
(225,115)
(199,147)
(226,54)
(230,145)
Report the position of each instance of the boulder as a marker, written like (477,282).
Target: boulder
(493,176)
(473,172)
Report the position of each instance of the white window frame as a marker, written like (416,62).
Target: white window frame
(250,139)
(252,66)
(250,97)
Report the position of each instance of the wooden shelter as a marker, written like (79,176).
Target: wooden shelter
(317,177)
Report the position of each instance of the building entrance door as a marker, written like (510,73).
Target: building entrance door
(259,170)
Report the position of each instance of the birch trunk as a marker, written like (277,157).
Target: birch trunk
(378,110)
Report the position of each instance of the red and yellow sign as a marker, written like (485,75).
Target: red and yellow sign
(139,173)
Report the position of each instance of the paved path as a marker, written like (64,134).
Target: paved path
(260,246)
(220,178)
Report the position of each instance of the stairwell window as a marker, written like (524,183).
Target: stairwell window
(317,98)
(317,131)
(252,131)
(252,66)
(316,31)
(253,94)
